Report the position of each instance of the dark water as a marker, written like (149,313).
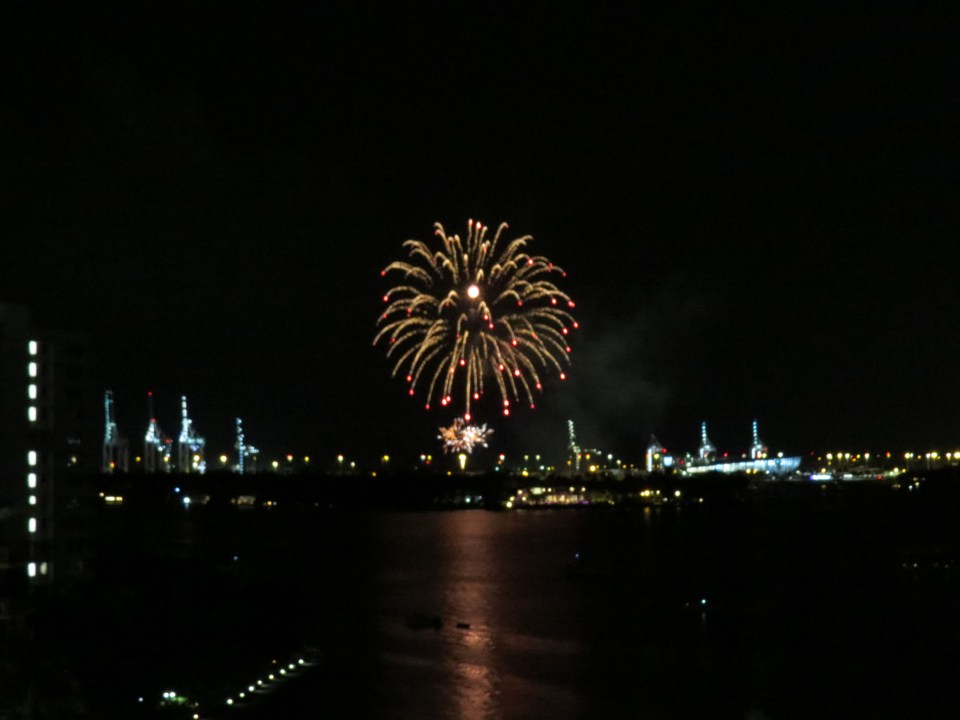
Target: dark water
(809,612)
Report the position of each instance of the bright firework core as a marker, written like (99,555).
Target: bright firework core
(475,314)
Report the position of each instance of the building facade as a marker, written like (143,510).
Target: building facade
(45,421)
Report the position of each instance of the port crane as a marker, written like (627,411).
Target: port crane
(190,445)
(115,451)
(157,447)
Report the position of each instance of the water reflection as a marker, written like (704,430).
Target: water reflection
(472,582)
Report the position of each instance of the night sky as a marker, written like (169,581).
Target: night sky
(757,210)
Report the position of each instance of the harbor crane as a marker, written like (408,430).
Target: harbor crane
(115,451)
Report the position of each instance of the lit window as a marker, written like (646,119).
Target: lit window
(31,480)
(32,458)
(32,500)
(32,525)
(31,569)
(32,369)
(44,568)
(32,391)
(32,413)
(32,347)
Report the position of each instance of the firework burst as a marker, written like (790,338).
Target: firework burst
(463,438)
(473,315)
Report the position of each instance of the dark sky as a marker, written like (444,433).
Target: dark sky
(757,209)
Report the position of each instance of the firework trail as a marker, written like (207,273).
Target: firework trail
(473,315)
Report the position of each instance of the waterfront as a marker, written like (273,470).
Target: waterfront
(778,610)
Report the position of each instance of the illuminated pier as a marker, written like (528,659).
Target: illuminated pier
(757,462)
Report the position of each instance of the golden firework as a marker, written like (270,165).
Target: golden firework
(474,314)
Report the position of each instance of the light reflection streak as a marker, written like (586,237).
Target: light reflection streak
(472,569)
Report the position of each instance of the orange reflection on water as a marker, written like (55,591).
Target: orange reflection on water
(472,587)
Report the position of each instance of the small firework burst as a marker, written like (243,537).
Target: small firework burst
(462,437)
